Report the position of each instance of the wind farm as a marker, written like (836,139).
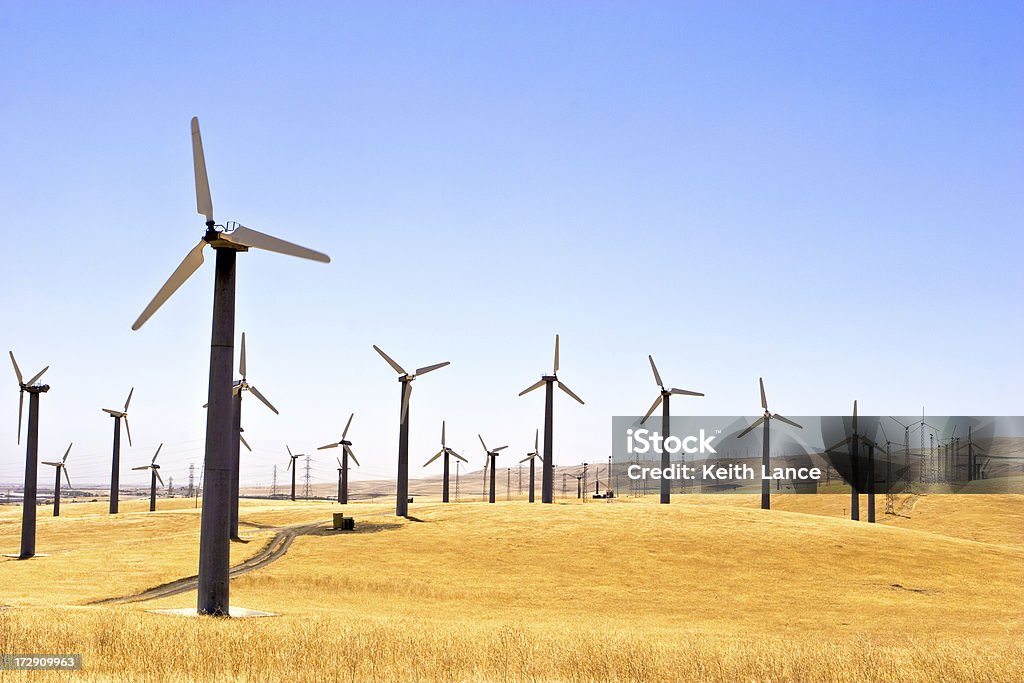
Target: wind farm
(825,198)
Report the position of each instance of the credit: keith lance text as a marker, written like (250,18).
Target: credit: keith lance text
(722,472)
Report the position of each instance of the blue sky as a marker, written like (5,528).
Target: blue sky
(826,194)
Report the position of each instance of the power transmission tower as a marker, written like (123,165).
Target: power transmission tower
(191,479)
(273,490)
(305,488)
(170,486)
(563,486)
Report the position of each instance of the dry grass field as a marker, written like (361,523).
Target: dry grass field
(707,589)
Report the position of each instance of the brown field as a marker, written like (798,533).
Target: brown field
(709,588)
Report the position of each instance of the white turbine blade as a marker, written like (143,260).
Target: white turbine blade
(764,401)
(751,427)
(526,458)
(204,203)
(258,240)
(442,433)
(347,425)
(116,413)
(436,456)
(538,385)
(556,355)
(156,472)
(37,376)
(257,394)
(657,402)
(482,443)
(129,399)
(66,477)
(458,456)
(65,458)
(128,430)
(352,455)
(340,466)
(500,448)
(536,439)
(290,454)
(189,265)
(156,454)
(839,445)
(144,467)
(398,368)
(654,368)
(241,358)
(290,461)
(776,416)
(21,406)
(17,370)
(330,445)
(406,395)
(431,368)
(685,392)
(51,463)
(569,391)
(241,439)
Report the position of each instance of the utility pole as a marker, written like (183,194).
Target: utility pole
(584,481)
(305,490)
(508,484)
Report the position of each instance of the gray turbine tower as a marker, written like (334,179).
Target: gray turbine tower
(61,467)
(766,420)
(227,241)
(663,399)
(855,441)
(405,379)
(532,457)
(346,453)
(291,466)
(492,459)
(549,382)
(115,466)
(154,475)
(446,452)
(28,507)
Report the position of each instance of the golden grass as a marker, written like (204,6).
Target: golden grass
(709,588)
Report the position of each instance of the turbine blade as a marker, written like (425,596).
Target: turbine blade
(144,467)
(352,455)
(442,434)
(538,385)
(657,402)
(17,370)
(458,456)
(500,448)
(569,391)
(330,445)
(854,415)
(654,368)
(482,443)
(21,406)
(290,461)
(556,355)
(257,394)
(204,203)
(435,457)
(685,392)
(536,439)
(37,376)
(751,427)
(258,240)
(290,454)
(65,458)
(156,454)
(189,265)
(129,399)
(776,416)
(50,463)
(764,401)
(241,358)
(156,472)
(340,466)
(431,368)
(398,368)
(245,443)
(66,477)
(406,395)
(128,430)
(347,425)
(838,445)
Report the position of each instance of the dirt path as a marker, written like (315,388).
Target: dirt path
(273,550)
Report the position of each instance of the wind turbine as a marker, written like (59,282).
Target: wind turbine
(766,420)
(61,467)
(532,456)
(346,453)
(292,466)
(115,467)
(405,379)
(855,441)
(492,456)
(227,241)
(28,509)
(664,398)
(549,382)
(155,474)
(446,452)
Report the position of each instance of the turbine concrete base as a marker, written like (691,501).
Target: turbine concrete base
(233,613)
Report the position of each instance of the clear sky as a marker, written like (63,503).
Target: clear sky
(826,194)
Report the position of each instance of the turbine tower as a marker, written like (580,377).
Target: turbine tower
(61,467)
(492,458)
(346,453)
(855,441)
(664,397)
(115,467)
(549,382)
(28,506)
(405,379)
(291,466)
(153,477)
(446,452)
(766,420)
(532,456)
(226,240)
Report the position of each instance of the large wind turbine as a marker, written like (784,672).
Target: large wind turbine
(226,240)
(346,453)
(291,466)
(115,466)
(446,452)
(28,505)
(405,379)
(855,440)
(154,475)
(61,467)
(766,420)
(664,398)
(549,382)
(532,457)
(492,459)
